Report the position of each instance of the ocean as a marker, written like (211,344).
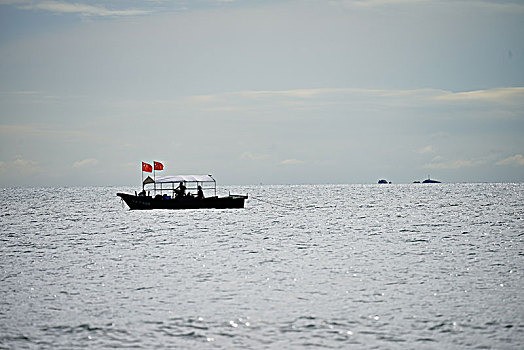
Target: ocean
(414,266)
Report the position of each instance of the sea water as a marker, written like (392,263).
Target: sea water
(312,266)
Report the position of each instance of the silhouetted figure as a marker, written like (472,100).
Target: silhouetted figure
(200,193)
(180,190)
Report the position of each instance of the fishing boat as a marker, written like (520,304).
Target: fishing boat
(174,192)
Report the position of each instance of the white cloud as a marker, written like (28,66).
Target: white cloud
(486,4)
(203,99)
(21,165)
(79,8)
(509,95)
(13,2)
(455,164)
(296,93)
(427,149)
(517,159)
(222,109)
(251,156)
(370,3)
(89,162)
(291,161)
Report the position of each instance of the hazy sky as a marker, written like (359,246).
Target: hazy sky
(311,91)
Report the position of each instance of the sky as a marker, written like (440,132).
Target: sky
(254,91)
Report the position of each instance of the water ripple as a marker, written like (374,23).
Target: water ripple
(331,266)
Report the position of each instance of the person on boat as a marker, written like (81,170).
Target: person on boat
(200,193)
(142,194)
(180,190)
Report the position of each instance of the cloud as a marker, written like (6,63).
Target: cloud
(203,99)
(508,95)
(291,161)
(251,156)
(370,3)
(456,164)
(22,92)
(427,149)
(20,165)
(89,162)
(396,97)
(517,159)
(32,132)
(502,5)
(79,8)
(296,93)
(222,109)
(13,2)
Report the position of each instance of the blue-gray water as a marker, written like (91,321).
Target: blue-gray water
(333,266)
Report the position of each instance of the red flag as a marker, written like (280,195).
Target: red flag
(147,167)
(158,166)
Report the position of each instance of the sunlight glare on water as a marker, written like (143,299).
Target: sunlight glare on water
(387,266)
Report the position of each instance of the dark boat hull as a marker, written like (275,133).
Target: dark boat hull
(429,181)
(146,202)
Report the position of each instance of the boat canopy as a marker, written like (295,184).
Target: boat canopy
(184,178)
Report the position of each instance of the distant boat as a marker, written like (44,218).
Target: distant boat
(382,181)
(430,181)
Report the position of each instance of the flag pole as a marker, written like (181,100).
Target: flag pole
(142,177)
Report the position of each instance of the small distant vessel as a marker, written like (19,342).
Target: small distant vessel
(430,181)
(382,181)
(179,198)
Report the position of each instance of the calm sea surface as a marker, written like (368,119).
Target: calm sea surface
(332,266)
